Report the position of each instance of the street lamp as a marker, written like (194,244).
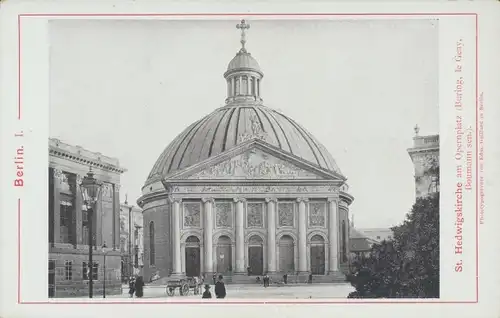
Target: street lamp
(105,253)
(90,189)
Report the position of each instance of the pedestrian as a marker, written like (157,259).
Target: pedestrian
(207,294)
(139,287)
(266,281)
(310,279)
(214,278)
(285,278)
(131,287)
(220,288)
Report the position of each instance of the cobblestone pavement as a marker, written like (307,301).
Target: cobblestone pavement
(243,292)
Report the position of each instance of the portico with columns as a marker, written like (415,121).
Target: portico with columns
(246,191)
(254,220)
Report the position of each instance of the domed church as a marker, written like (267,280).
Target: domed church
(245,191)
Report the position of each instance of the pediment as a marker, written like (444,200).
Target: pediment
(254,163)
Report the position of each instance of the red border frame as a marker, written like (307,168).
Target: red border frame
(353,301)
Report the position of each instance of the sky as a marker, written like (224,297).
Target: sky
(127,88)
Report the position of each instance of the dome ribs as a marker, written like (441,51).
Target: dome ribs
(202,137)
(269,121)
(161,163)
(227,129)
(301,135)
(237,127)
(196,128)
(282,131)
(215,134)
(307,136)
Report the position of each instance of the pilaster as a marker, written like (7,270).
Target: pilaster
(176,236)
(333,235)
(303,268)
(208,204)
(57,205)
(78,211)
(271,235)
(240,236)
(116,216)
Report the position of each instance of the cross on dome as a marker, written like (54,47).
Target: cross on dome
(243,26)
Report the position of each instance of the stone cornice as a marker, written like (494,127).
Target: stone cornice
(151,197)
(346,197)
(83,156)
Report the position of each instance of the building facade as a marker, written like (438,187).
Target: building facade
(68,265)
(425,157)
(377,234)
(131,240)
(245,191)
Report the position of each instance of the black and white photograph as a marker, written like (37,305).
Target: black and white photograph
(244,158)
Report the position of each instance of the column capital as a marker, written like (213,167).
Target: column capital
(209,200)
(237,200)
(175,200)
(305,200)
(79,179)
(58,174)
(117,187)
(330,200)
(274,200)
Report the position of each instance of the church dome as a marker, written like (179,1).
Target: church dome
(227,127)
(243,117)
(243,61)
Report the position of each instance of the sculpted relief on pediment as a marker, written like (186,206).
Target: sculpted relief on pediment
(254,164)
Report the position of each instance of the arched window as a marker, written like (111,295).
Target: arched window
(151,243)
(344,243)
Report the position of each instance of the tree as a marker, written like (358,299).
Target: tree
(406,266)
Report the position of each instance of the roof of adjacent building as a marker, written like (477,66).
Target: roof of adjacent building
(359,242)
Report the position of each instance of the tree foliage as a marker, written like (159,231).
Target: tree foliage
(406,266)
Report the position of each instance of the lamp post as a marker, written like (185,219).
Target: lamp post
(105,253)
(90,189)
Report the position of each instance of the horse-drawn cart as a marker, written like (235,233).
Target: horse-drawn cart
(184,285)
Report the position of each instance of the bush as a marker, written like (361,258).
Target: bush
(406,266)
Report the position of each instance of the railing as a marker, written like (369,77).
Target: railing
(426,141)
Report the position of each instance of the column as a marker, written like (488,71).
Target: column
(271,235)
(176,236)
(208,227)
(249,85)
(57,205)
(240,236)
(79,212)
(333,232)
(302,235)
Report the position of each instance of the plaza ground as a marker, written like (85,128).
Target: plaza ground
(248,291)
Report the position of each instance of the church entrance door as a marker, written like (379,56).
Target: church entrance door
(317,255)
(224,255)
(256,255)
(286,254)
(193,259)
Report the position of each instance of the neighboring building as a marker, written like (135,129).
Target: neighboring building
(359,243)
(377,234)
(68,230)
(425,157)
(245,191)
(131,239)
